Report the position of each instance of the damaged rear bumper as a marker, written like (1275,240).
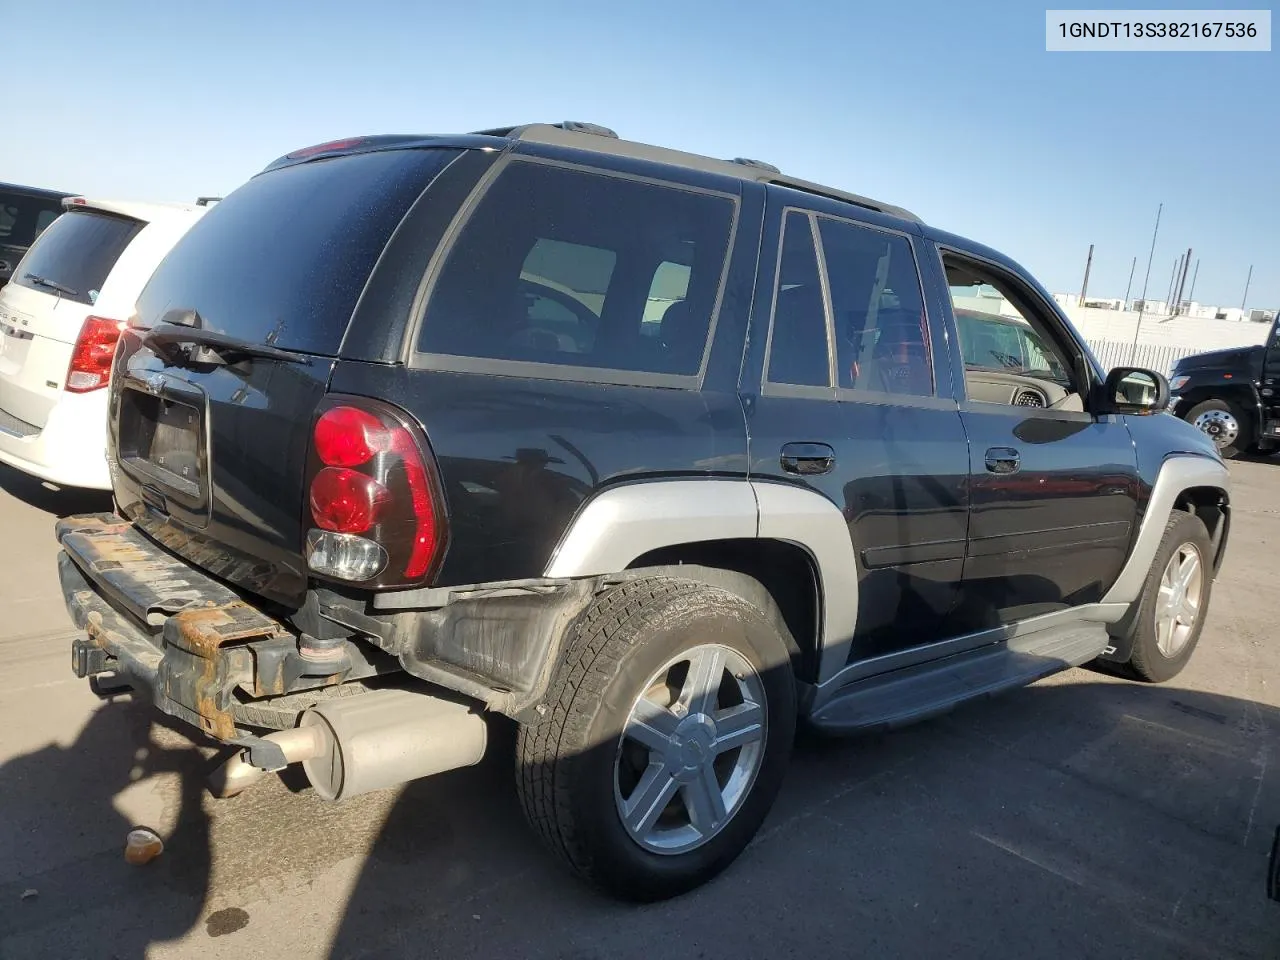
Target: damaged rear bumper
(188,642)
(210,656)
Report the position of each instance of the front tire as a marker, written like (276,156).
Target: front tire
(668,729)
(1175,599)
(1226,425)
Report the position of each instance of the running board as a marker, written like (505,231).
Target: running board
(915,693)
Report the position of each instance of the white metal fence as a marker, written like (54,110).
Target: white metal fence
(1153,356)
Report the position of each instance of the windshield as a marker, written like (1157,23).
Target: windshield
(23,217)
(1001,343)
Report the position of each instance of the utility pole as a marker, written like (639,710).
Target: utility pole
(1192,295)
(1133,266)
(1182,283)
(1137,327)
(1084,287)
(1247,281)
(1173,279)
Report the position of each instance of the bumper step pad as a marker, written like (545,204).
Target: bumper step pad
(161,625)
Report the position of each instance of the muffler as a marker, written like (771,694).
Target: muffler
(371,741)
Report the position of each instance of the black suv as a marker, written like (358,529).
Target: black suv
(652,453)
(24,213)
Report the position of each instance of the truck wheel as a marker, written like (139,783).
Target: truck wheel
(1174,601)
(1225,423)
(667,730)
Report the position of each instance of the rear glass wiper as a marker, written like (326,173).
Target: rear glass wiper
(51,284)
(165,336)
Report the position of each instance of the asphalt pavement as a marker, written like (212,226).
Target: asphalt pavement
(1081,817)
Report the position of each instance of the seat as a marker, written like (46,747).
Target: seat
(901,355)
(794,358)
(684,336)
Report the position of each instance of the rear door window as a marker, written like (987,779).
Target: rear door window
(283,259)
(74,255)
(576,269)
(881,337)
(798,353)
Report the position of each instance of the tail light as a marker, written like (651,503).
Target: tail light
(91,359)
(375,506)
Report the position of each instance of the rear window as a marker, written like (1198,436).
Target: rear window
(23,218)
(74,255)
(283,259)
(582,270)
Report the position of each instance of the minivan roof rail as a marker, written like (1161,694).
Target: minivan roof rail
(600,139)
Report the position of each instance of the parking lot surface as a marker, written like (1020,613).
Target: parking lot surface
(1081,817)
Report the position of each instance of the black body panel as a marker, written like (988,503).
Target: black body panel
(1236,360)
(259,268)
(899,476)
(243,522)
(1056,532)
(519,456)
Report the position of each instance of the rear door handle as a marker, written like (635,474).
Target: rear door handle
(1003,460)
(807,459)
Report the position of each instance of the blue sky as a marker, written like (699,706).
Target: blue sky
(952,110)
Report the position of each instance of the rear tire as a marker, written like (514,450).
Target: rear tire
(645,780)
(1170,615)
(1226,424)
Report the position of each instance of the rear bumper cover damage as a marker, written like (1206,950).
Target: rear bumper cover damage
(156,624)
(200,652)
(206,654)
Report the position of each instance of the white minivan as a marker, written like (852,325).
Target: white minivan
(60,316)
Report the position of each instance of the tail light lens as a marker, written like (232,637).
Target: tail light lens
(376,509)
(91,359)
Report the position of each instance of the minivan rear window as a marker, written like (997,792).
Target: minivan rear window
(283,259)
(74,255)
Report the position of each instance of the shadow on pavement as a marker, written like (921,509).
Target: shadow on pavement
(59,501)
(1093,818)
(1088,818)
(64,839)
(1271,458)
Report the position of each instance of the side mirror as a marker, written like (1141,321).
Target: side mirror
(1133,390)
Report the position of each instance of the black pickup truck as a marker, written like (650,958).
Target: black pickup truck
(1233,395)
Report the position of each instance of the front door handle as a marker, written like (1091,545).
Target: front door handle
(807,459)
(1003,460)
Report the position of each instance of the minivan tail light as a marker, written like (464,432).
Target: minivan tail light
(376,510)
(91,357)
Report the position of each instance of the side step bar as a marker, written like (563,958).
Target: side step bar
(916,693)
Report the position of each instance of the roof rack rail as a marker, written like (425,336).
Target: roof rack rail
(757,164)
(205,201)
(831,193)
(741,167)
(577,126)
(572,126)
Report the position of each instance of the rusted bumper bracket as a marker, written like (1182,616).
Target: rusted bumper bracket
(157,624)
